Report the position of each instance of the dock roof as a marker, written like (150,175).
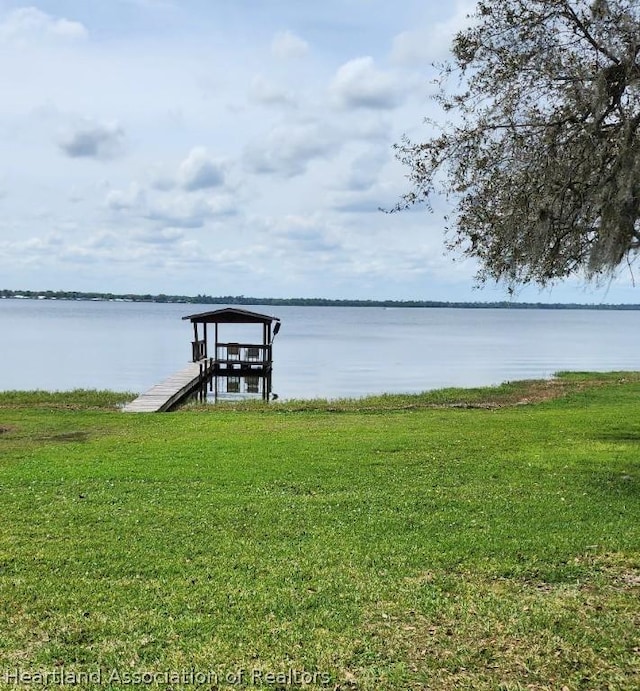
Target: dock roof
(231,315)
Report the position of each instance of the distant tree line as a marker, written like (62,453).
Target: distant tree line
(298,302)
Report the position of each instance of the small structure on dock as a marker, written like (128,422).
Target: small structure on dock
(223,368)
(234,367)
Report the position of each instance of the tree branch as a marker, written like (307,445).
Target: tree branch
(587,35)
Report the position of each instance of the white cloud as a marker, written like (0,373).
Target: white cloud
(359,84)
(307,234)
(286,45)
(365,169)
(94,140)
(168,209)
(427,44)
(272,174)
(103,240)
(181,210)
(139,248)
(30,25)
(199,171)
(267,93)
(287,150)
(125,200)
(161,236)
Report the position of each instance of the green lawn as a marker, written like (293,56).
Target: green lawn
(481,539)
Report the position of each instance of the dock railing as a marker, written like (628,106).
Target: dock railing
(198,350)
(243,352)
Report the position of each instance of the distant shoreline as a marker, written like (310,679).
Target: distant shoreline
(296,302)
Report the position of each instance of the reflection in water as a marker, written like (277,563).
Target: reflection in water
(320,352)
(237,388)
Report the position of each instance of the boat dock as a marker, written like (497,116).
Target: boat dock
(236,368)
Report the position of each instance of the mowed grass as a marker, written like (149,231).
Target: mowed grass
(480,539)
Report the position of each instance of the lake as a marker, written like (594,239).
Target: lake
(328,352)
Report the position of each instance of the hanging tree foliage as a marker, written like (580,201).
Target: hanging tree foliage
(542,150)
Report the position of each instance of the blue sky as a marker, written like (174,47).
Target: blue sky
(226,147)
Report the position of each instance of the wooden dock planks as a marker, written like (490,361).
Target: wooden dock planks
(163,396)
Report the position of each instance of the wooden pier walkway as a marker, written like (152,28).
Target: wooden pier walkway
(164,396)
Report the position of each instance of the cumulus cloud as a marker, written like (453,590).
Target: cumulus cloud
(357,202)
(433,42)
(94,140)
(199,171)
(172,209)
(32,251)
(365,169)
(139,247)
(124,200)
(187,211)
(175,202)
(29,24)
(306,234)
(269,94)
(162,236)
(359,84)
(288,150)
(104,240)
(286,45)
(192,197)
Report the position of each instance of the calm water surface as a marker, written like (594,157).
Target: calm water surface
(319,352)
